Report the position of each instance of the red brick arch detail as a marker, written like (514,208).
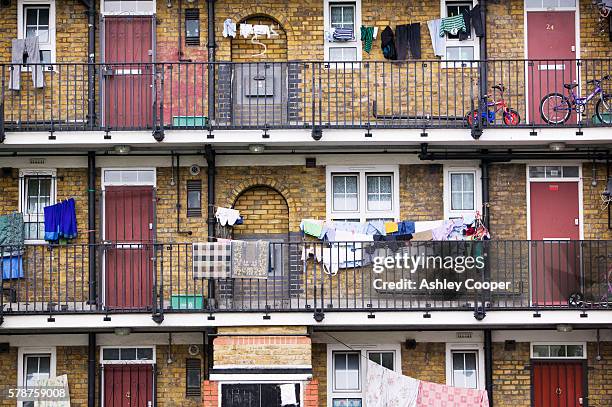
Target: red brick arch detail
(258,11)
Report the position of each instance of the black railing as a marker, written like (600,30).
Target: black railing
(313,277)
(267,95)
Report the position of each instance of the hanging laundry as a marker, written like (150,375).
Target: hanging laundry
(12,266)
(452,25)
(387,38)
(401,41)
(477,23)
(287,393)
(343,34)
(367,38)
(329,35)
(414,40)
(229,28)
(386,388)
(438,42)
(26,51)
(405,227)
(467,19)
(312,227)
(436,395)
(227,216)
(11,230)
(250,259)
(60,221)
(58,382)
(391,227)
(260,29)
(246,30)
(212,259)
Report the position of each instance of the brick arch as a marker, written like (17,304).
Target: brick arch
(273,184)
(259,11)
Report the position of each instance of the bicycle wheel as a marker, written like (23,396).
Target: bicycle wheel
(512,118)
(555,108)
(604,109)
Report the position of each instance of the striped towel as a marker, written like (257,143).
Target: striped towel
(452,25)
(343,34)
(212,260)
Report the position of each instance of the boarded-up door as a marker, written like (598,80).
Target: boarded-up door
(555,254)
(128,214)
(551,49)
(128,72)
(128,385)
(558,384)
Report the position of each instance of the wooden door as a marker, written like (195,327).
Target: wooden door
(128,385)
(558,384)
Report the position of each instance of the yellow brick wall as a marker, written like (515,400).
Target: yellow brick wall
(511,376)
(243,50)
(172,379)
(426,362)
(319,370)
(8,373)
(264,211)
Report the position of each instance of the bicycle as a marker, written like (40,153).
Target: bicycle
(577,299)
(510,116)
(562,106)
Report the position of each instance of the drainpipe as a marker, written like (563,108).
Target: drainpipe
(484,169)
(91,371)
(488,356)
(483,72)
(212,46)
(91,69)
(91,225)
(210,188)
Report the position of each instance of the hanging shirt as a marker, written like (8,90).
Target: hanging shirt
(367,37)
(246,30)
(452,25)
(438,42)
(229,28)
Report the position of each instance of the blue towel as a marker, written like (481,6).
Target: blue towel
(404,228)
(12,267)
(51,218)
(60,221)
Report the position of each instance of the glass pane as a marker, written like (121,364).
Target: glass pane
(193,378)
(129,176)
(193,199)
(537,171)
(553,172)
(112,176)
(37,367)
(467,53)
(567,3)
(550,3)
(387,360)
(43,34)
(43,16)
(540,351)
(468,201)
(456,184)
(336,15)
(375,357)
(470,361)
(468,182)
(458,361)
(112,5)
(338,184)
(456,201)
(145,353)
(192,28)
(128,354)
(110,354)
(31,15)
(575,351)
(346,403)
(353,361)
(470,379)
(557,350)
(533,3)
(343,54)
(570,172)
(349,15)
(45,56)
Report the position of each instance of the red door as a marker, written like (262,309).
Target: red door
(551,50)
(555,255)
(128,385)
(128,53)
(128,214)
(558,384)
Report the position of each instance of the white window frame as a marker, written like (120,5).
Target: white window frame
(131,13)
(46,46)
(128,362)
(106,183)
(363,350)
(559,343)
(22,185)
(362,172)
(473,42)
(448,171)
(22,352)
(466,347)
(343,44)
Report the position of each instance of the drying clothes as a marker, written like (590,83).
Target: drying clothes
(250,259)
(452,25)
(12,267)
(26,51)
(477,23)
(212,259)
(260,29)
(401,41)
(341,256)
(56,382)
(312,227)
(387,39)
(405,227)
(423,226)
(343,34)
(438,43)
(60,221)
(391,227)
(227,216)
(246,30)
(376,227)
(467,19)
(11,231)
(229,28)
(386,388)
(414,40)
(439,395)
(343,236)
(287,393)
(367,38)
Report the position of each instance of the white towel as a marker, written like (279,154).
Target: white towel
(229,28)
(386,388)
(246,30)
(288,394)
(227,216)
(261,29)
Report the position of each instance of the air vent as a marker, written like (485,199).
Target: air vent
(192,26)
(37,161)
(464,335)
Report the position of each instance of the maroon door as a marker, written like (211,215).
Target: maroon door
(558,384)
(128,214)
(555,254)
(128,53)
(551,49)
(128,386)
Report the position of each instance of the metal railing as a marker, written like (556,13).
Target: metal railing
(267,95)
(312,277)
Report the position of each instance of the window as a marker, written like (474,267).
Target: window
(347,370)
(361,194)
(345,15)
(142,7)
(457,50)
(462,192)
(554,171)
(194,377)
(549,4)
(464,364)
(194,198)
(465,372)
(37,18)
(127,354)
(558,351)
(192,26)
(128,177)
(36,190)
(34,364)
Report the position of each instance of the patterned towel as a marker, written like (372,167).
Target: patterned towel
(250,259)
(439,395)
(212,260)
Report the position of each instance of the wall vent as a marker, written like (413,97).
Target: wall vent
(464,335)
(37,161)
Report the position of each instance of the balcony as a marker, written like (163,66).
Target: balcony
(308,95)
(312,277)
